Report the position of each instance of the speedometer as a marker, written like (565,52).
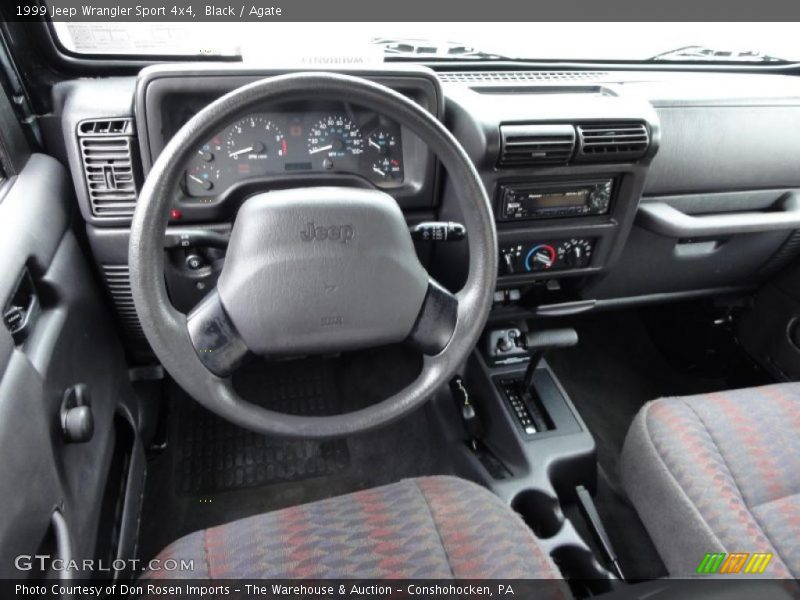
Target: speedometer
(335,136)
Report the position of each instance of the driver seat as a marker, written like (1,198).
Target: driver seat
(424,528)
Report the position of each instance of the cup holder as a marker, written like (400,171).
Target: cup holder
(579,566)
(540,511)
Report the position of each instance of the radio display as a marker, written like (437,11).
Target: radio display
(549,201)
(557,199)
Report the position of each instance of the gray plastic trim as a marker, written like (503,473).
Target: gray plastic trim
(663,219)
(63,542)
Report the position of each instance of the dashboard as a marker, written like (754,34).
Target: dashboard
(320,138)
(582,221)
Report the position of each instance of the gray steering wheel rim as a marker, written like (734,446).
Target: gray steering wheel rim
(166,328)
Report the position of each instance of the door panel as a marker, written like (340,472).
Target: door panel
(71,341)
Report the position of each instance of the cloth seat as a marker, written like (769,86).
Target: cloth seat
(719,473)
(430,527)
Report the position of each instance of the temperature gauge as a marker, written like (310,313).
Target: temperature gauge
(382,142)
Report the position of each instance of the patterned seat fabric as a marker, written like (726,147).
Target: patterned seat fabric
(431,527)
(719,473)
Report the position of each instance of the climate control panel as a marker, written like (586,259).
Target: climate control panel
(552,255)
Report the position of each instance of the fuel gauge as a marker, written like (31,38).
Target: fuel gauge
(202,180)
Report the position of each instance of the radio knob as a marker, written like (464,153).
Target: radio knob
(600,197)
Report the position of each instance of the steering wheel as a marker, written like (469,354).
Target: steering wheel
(312,270)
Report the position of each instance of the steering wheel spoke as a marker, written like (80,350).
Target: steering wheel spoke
(436,321)
(214,337)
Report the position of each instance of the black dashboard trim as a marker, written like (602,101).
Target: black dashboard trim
(416,193)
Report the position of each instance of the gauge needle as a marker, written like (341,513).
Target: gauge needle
(322,149)
(374,143)
(379,172)
(242,151)
(197,179)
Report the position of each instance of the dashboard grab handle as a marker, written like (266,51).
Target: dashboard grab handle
(663,219)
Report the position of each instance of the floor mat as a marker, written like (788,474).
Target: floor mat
(214,455)
(615,368)
(177,503)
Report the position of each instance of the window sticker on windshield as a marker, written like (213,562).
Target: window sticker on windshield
(142,38)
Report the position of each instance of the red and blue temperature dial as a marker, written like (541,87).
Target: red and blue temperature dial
(540,257)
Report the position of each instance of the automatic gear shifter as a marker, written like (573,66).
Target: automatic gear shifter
(539,342)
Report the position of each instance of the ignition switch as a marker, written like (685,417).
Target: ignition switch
(194,261)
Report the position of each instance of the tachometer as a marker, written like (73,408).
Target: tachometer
(254,144)
(335,136)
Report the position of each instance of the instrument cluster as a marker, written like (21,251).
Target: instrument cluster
(274,143)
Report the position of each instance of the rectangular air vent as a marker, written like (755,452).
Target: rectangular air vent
(612,142)
(119,285)
(532,145)
(108,163)
(106,127)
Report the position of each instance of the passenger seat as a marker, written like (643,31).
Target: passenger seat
(719,473)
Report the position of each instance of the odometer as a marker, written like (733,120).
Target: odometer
(335,136)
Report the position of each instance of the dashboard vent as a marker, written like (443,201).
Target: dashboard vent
(106,127)
(519,76)
(119,286)
(610,142)
(531,145)
(108,165)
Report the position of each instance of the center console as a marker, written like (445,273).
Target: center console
(564,166)
(531,446)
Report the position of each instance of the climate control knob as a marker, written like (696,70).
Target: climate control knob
(540,257)
(576,253)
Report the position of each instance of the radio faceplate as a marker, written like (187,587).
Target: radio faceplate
(528,201)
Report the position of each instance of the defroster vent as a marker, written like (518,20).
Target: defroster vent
(108,163)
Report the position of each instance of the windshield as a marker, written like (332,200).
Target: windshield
(277,43)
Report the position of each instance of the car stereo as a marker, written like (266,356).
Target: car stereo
(520,201)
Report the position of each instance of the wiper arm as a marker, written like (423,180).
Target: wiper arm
(411,48)
(703,53)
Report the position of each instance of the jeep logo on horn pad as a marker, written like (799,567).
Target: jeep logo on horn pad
(333,233)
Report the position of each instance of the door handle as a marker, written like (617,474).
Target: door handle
(77,420)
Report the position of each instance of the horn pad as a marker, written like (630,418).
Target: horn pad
(321,269)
